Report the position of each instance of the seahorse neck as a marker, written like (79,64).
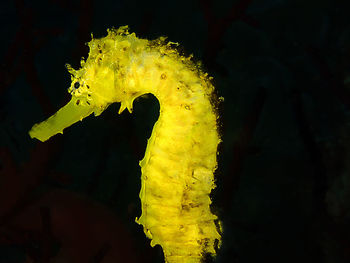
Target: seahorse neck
(186,130)
(184,94)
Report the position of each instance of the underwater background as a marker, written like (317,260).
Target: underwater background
(283,181)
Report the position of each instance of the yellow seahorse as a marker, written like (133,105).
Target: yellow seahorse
(181,155)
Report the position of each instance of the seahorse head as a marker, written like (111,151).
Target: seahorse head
(92,86)
(97,84)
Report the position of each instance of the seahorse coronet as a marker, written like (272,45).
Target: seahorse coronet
(177,171)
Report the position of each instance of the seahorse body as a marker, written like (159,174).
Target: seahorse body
(180,159)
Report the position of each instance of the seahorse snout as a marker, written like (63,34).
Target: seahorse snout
(69,114)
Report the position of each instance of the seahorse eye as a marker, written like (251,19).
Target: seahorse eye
(76,85)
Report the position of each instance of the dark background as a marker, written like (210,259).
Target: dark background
(283,182)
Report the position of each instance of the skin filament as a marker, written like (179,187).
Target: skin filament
(181,155)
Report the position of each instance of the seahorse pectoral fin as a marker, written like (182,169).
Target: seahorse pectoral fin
(63,118)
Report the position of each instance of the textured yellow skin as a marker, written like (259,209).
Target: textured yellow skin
(180,159)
